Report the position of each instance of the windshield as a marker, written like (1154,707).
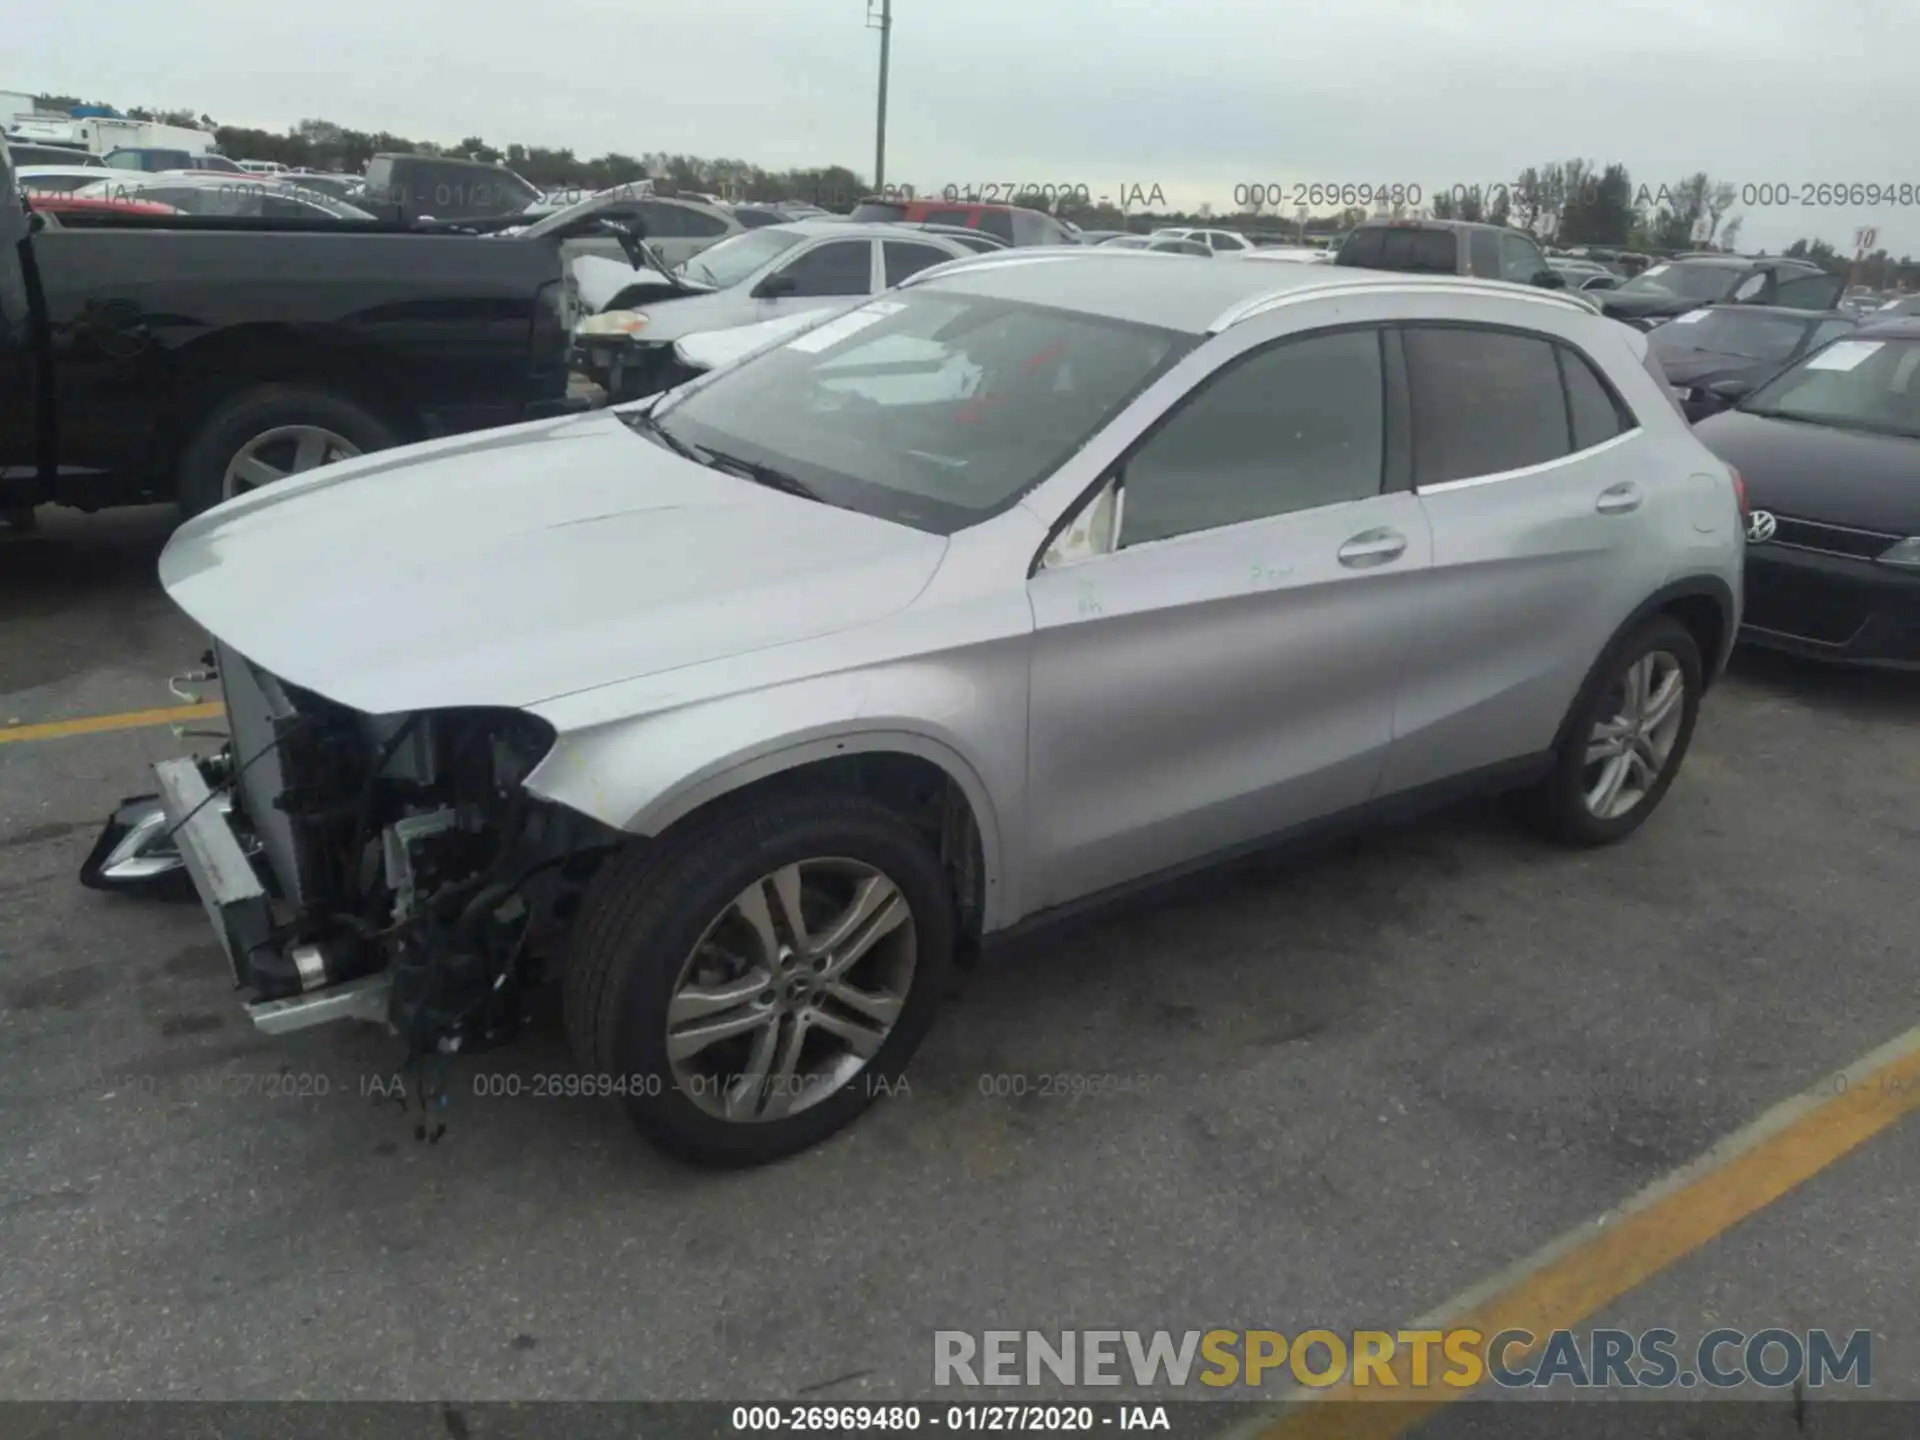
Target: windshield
(1749,335)
(1852,384)
(929,409)
(1705,283)
(734,259)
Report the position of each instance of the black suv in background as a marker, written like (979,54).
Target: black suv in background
(1449,247)
(416,187)
(1674,287)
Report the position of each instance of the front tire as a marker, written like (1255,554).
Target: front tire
(753,989)
(1624,741)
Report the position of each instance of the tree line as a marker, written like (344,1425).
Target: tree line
(1563,203)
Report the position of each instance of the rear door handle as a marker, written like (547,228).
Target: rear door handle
(1372,547)
(1619,499)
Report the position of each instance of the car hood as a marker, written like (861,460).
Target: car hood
(599,280)
(524,564)
(1816,472)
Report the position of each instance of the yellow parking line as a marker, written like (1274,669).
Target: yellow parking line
(97,724)
(1594,1265)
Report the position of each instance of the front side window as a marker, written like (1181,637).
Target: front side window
(843,267)
(1295,426)
(930,409)
(1484,402)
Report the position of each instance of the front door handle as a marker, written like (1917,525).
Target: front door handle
(1372,547)
(1619,499)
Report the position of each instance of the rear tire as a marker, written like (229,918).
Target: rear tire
(663,936)
(1624,740)
(271,421)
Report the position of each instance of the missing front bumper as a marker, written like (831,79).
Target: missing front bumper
(241,912)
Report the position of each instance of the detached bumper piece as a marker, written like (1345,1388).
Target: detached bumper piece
(298,983)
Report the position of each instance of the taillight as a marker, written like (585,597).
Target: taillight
(1739,491)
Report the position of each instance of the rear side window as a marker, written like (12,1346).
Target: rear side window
(962,218)
(1483,251)
(904,259)
(1484,402)
(700,224)
(1591,407)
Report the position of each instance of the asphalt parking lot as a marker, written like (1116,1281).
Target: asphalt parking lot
(1357,1085)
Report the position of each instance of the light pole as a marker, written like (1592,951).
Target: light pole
(884,22)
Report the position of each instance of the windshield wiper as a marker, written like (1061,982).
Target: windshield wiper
(645,421)
(771,476)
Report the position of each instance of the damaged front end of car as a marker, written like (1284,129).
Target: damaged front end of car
(390,868)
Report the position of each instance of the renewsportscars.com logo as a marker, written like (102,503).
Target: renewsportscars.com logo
(1457,1359)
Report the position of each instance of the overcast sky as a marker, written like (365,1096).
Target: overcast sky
(1195,98)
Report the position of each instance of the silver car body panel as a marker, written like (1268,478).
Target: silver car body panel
(686,632)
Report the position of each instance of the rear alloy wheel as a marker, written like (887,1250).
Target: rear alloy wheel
(269,433)
(757,980)
(1627,753)
(285,450)
(1625,740)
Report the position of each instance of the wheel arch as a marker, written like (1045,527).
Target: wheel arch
(1703,603)
(238,358)
(892,764)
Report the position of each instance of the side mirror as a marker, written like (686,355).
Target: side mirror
(774,286)
(1550,280)
(1728,391)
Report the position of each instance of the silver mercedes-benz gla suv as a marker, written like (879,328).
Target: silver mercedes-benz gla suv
(747,712)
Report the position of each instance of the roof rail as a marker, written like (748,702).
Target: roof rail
(1383,282)
(1028,255)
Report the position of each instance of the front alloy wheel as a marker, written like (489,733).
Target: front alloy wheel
(758,977)
(792,990)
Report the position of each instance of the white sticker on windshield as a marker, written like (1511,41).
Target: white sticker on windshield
(1844,354)
(1692,317)
(826,336)
(1655,270)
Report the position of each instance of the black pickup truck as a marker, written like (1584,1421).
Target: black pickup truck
(154,357)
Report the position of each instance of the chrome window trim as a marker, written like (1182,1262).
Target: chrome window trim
(1470,481)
